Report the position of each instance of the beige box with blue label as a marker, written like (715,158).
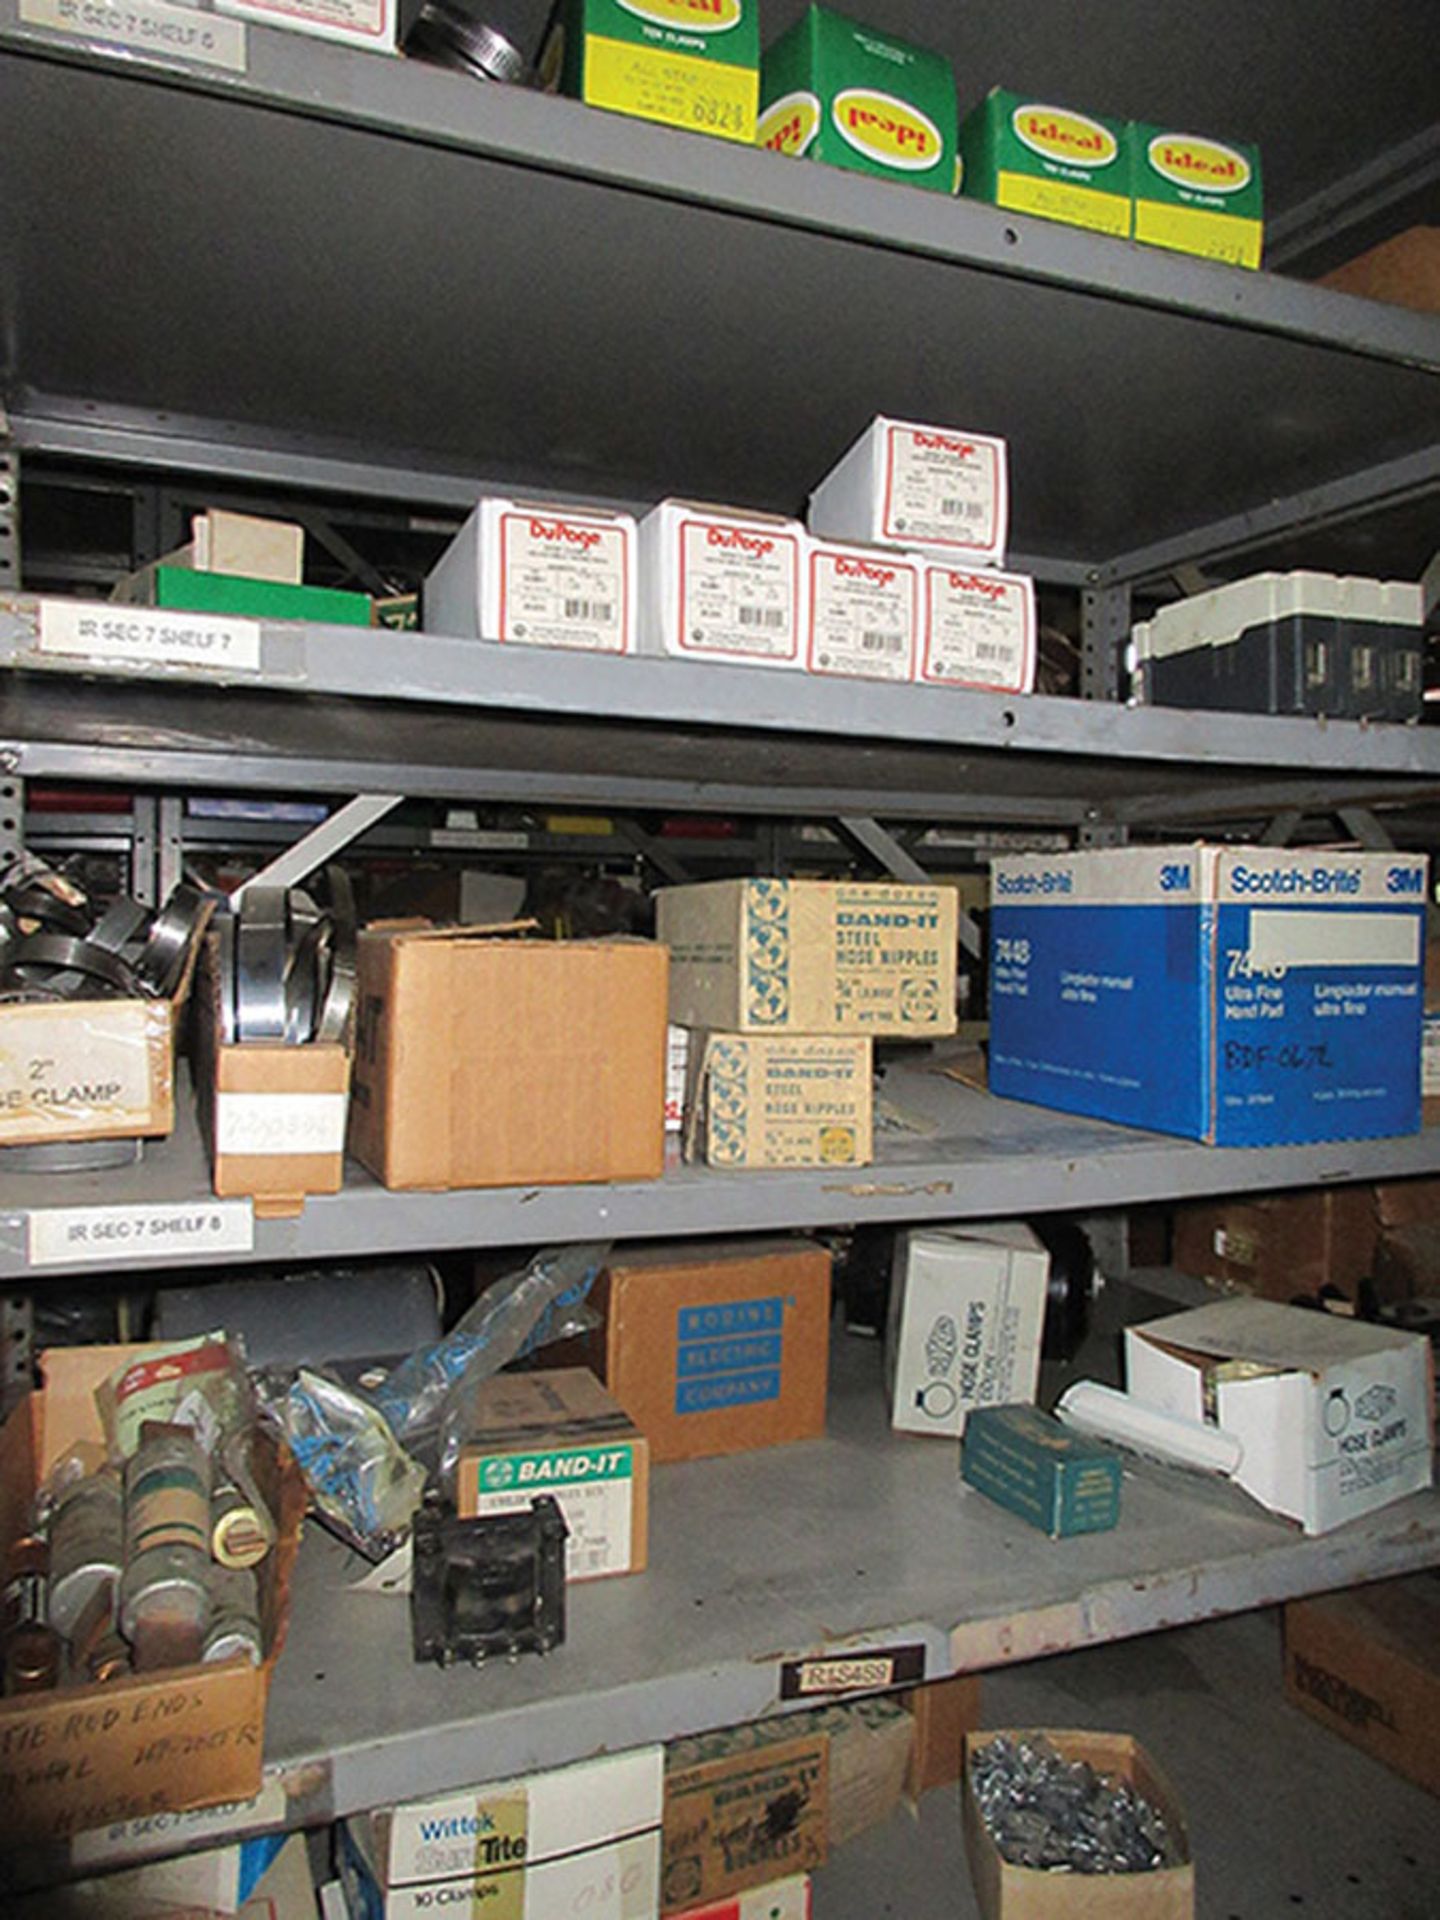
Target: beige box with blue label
(936,490)
(811,956)
(535,574)
(780,1100)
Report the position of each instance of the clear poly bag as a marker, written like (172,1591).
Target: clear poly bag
(361,1482)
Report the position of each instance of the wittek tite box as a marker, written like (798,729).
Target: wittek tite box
(1032,157)
(938,490)
(840,92)
(559,1432)
(780,1100)
(539,576)
(716,584)
(967,1310)
(1333,1415)
(688,63)
(979,629)
(1197,195)
(864,612)
(811,956)
(1244,996)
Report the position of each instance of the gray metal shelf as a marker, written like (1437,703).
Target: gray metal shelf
(502,329)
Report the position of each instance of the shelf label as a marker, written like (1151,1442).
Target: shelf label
(868,1670)
(149,636)
(93,1236)
(144,26)
(286,1123)
(150,1833)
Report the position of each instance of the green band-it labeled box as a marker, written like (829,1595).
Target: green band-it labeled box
(1033,157)
(840,92)
(1197,195)
(688,63)
(1060,1481)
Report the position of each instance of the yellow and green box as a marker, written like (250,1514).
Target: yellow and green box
(838,91)
(688,63)
(1034,157)
(1197,195)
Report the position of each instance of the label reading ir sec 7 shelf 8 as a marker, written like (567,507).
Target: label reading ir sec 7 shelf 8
(185,1229)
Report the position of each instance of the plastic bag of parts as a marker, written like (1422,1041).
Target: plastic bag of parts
(514,1316)
(200,1384)
(362,1484)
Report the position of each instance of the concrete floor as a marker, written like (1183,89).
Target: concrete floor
(1287,1822)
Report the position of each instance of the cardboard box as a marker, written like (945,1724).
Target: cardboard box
(688,63)
(191,591)
(581,1839)
(559,1432)
(717,1347)
(846,94)
(766,1100)
(262,1879)
(369,24)
(1245,996)
(811,956)
(742,1807)
(86,1070)
(967,1311)
(787,1899)
(937,490)
(487,1061)
(1404,270)
(1031,157)
(1005,1892)
(1197,195)
(1365,1664)
(538,575)
(1406,1264)
(1025,1461)
(978,629)
(82,1757)
(717,583)
(1334,1416)
(864,612)
(870,1745)
(1278,1245)
(224,542)
(943,1711)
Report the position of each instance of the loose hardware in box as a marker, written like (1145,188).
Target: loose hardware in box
(538,575)
(1245,996)
(935,490)
(83,1757)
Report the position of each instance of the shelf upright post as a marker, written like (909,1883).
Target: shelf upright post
(9,510)
(1104,630)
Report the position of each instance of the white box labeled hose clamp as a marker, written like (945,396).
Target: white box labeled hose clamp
(978,629)
(716,584)
(538,575)
(936,490)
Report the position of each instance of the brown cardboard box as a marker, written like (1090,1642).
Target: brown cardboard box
(743,1806)
(943,1711)
(1407,1203)
(1407,1262)
(84,1757)
(870,1747)
(1366,1664)
(1005,1892)
(1404,270)
(488,1061)
(717,1346)
(770,1100)
(1281,1244)
(811,956)
(559,1432)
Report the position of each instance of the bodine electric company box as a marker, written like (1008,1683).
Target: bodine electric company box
(935,490)
(1197,195)
(1032,157)
(834,90)
(978,629)
(864,612)
(538,575)
(688,63)
(718,584)
(1244,996)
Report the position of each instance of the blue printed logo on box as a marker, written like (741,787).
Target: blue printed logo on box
(728,1354)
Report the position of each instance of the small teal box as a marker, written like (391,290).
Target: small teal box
(1060,1481)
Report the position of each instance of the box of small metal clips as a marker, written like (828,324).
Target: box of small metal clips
(137,1660)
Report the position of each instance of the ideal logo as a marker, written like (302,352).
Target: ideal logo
(738,541)
(1199,163)
(1071,137)
(1405,880)
(1175,876)
(789,124)
(863,570)
(698,16)
(886,129)
(583,537)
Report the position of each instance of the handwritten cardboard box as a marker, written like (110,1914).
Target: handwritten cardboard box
(82,1757)
(742,1807)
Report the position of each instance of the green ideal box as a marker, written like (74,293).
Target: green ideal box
(1197,195)
(190,592)
(1060,1481)
(687,63)
(840,92)
(1032,157)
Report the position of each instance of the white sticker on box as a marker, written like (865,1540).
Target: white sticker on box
(283,1123)
(1299,937)
(150,636)
(979,629)
(146,27)
(677,1060)
(83,1236)
(594,1487)
(1430,1057)
(941,488)
(739,590)
(365,21)
(59,1068)
(862,615)
(563,582)
(151,1833)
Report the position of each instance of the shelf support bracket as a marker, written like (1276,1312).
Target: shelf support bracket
(9,510)
(1361,824)
(322,843)
(17,1344)
(1282,829)
(665,863)
(1104,629)
(901,864)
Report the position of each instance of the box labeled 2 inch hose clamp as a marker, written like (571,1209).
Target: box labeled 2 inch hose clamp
(1244,996)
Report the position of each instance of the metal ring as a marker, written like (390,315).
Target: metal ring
(340,986)
(119,924)
(225,975)
(60,953)
(71,1156)
(33,901)
(261,953)
(172,932)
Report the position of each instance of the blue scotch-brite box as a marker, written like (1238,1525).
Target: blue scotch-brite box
(1060,1481)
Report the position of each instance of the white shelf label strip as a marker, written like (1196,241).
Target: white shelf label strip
(286,1123)
(67,1236)
(145,27)
(149,636)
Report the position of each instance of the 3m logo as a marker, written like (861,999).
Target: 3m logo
(789,124)
(1405,880)
(1175,877)
(886,129)
(697,16)
(1071,137)
(1199,163)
